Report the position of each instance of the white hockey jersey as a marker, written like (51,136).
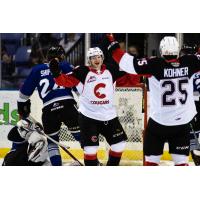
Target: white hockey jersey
(96,89)
(170,84)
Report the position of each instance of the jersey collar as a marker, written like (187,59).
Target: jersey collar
(103,67)
(172,61)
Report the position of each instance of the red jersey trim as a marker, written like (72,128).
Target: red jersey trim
(150,163)
(183,164)
(172,61)
(117,54)
(66,80)
(90,156)
(103,68)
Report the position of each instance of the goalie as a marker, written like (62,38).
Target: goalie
(29,148)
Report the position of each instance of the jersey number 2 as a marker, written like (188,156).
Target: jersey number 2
(167,99)
(45,87)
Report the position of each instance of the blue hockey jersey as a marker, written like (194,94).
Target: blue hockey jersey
(41,78)
(196,83)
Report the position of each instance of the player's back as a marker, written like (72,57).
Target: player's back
(41,78)
(171,90)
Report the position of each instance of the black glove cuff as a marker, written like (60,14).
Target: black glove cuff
(114,45)
(54,68)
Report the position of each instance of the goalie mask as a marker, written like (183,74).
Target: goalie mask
(96,51)
(169,47)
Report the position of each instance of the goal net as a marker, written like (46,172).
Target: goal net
(131,104)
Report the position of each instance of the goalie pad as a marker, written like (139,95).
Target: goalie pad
(14,135)
(196,157)
(37,149)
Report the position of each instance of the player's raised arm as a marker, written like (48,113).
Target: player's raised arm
(127,62)
(67,80)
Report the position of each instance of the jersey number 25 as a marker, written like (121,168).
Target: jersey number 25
(172,86)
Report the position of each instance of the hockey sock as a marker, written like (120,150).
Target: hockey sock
(147,163)
(152,160)
(77,137)
(183,164)
(90,159)
(54,152)
(180,160)
(114,158)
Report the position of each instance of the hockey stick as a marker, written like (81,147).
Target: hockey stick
(63,147)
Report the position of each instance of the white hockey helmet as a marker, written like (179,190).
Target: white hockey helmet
(96,51)
(169,46)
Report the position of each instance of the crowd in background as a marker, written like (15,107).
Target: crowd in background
(20,52)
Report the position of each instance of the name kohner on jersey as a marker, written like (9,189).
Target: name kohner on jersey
(48,90)
(172,106)
(170,83)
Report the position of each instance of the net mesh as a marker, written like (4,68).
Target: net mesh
(130,103)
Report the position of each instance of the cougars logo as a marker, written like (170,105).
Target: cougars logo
(97,90)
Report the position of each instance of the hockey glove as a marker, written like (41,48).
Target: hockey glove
(54,67)
(110,43)
(25,127)
(24,108)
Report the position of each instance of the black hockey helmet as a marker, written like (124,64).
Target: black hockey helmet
(56,52)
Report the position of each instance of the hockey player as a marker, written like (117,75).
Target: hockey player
(195,126)
(29,148)
(58,102)
(95,84)
(171,98)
